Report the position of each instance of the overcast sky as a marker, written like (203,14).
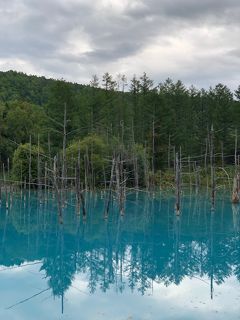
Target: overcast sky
(197,41)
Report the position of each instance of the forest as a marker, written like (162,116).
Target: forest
(146,123)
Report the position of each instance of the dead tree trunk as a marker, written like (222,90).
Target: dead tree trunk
(189,173)
(45,182)
(39,173)
(146,169)
(235,153)
(169,151)
(177,183)
(108,200)
(222,154)
(153,147)
(78,182)
(212,163)
(135,167)
(236,179)
(86,169)
(5,186)
(57,192)
(205,156)
(30,165)
(64,153)
(120,182)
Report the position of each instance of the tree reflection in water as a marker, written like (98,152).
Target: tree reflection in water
(149,244)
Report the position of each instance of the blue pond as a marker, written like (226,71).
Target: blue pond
(146,265)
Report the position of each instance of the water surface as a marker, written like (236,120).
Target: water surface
(148,264)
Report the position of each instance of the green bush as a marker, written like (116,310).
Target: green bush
(93,147)
(20,165)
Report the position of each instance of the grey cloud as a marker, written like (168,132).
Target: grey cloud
(234,53)
(38,32)
(186,9)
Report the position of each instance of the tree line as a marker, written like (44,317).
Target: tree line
(144,118)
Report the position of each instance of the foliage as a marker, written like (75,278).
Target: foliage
(23,119)
(21,160)
(93,149)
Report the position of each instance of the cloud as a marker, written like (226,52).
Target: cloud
(196,41)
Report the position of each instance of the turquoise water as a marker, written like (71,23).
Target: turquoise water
(148,264)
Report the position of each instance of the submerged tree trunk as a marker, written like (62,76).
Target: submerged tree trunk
(177,183)
(64,154)
(212,163)
(108,200)
(57,191)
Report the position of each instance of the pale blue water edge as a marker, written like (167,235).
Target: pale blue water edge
(148,264)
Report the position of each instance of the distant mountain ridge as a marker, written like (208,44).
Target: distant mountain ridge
(34,89)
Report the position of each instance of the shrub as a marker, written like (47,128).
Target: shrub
(20,165)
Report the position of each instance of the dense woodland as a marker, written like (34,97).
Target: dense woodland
(147,120)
